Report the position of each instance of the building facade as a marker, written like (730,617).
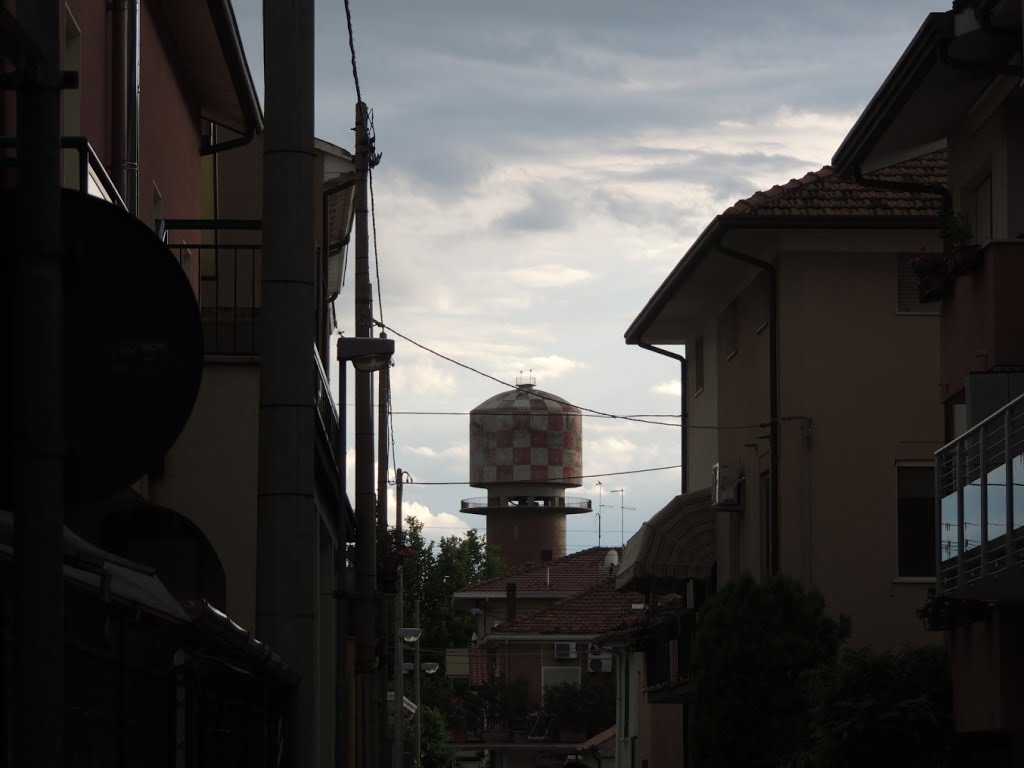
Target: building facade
(957,86)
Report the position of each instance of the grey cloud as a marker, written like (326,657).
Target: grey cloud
(546,212)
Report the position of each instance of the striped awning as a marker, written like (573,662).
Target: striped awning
(675,545)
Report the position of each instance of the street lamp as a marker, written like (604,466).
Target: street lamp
(409,635)
(366,354)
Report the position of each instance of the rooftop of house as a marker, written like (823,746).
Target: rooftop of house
(823,193)
(558,578)
(594,611)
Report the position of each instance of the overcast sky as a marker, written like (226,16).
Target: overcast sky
(545,164)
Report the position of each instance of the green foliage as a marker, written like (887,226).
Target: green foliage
(433,574)
(956,230)
(754,643)
(505,702)
(434,750)
(880,709)
(583,708)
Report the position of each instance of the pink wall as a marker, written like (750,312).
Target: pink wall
(982,316)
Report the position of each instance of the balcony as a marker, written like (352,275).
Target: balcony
(223,261)
(566,504)
(980,491)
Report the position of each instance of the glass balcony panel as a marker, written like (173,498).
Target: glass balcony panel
(948,540)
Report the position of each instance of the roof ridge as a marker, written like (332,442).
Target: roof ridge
(526,568)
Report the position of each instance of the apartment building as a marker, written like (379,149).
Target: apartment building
(957,85)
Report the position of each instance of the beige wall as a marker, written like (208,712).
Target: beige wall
(858,393)
(210,477)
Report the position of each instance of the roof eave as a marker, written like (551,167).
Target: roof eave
(226,26)
(721,225)
(916,61)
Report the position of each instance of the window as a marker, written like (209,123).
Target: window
(908,297)
(556,675)
(698,365)
(915,510)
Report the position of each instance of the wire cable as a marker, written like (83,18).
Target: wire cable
(551,398)
(352,50)
(567,477)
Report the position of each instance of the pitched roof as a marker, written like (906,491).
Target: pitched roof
(823,193)
(563,576)
(599,609)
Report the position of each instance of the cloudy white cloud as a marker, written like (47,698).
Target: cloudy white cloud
(544,167)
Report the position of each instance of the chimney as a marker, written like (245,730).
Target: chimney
(510,602)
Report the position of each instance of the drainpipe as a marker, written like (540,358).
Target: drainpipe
(773,385)
(132,59)
(682,407)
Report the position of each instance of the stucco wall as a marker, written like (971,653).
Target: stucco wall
(858,394)
(867,377)
(210,476)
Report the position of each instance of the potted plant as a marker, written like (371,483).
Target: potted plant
(958,241)
(932,270)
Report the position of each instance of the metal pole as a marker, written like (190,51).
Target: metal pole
(600,506)
(419,701)
(367,732)
(341,596)
(36,369)
(398,745)
(382,532)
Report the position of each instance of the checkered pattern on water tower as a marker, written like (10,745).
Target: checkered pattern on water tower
(525,435)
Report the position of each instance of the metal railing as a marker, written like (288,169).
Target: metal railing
(979,492)
(92,176)
(326,411)
(223,260)
(545,502)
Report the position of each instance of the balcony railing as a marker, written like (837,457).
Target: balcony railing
(574,503)
(326,411)
(82,167)
(223,261)
(979,479)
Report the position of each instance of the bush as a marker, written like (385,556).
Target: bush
(754,644)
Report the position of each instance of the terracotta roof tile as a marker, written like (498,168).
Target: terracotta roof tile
(599,609)
(562,576)
(822,193)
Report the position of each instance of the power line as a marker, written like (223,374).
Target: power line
(352,49)
(519,413)
(535,393)
(550,398)
(567,477)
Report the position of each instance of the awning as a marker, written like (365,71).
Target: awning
(675,545)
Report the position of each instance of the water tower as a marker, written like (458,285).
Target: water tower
(526,449)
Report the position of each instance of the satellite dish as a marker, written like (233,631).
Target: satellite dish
(133,345)
(611,560)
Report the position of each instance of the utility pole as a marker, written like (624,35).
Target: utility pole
(399,623)
(287,523)
(382,532)
(600,506)
(367,661)
(36,369)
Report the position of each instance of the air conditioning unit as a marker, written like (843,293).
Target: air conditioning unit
(598,658)
(565,651)
(726,482)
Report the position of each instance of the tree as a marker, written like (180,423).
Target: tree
(754,642)
(434,751)
(886,710)
(433,575)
